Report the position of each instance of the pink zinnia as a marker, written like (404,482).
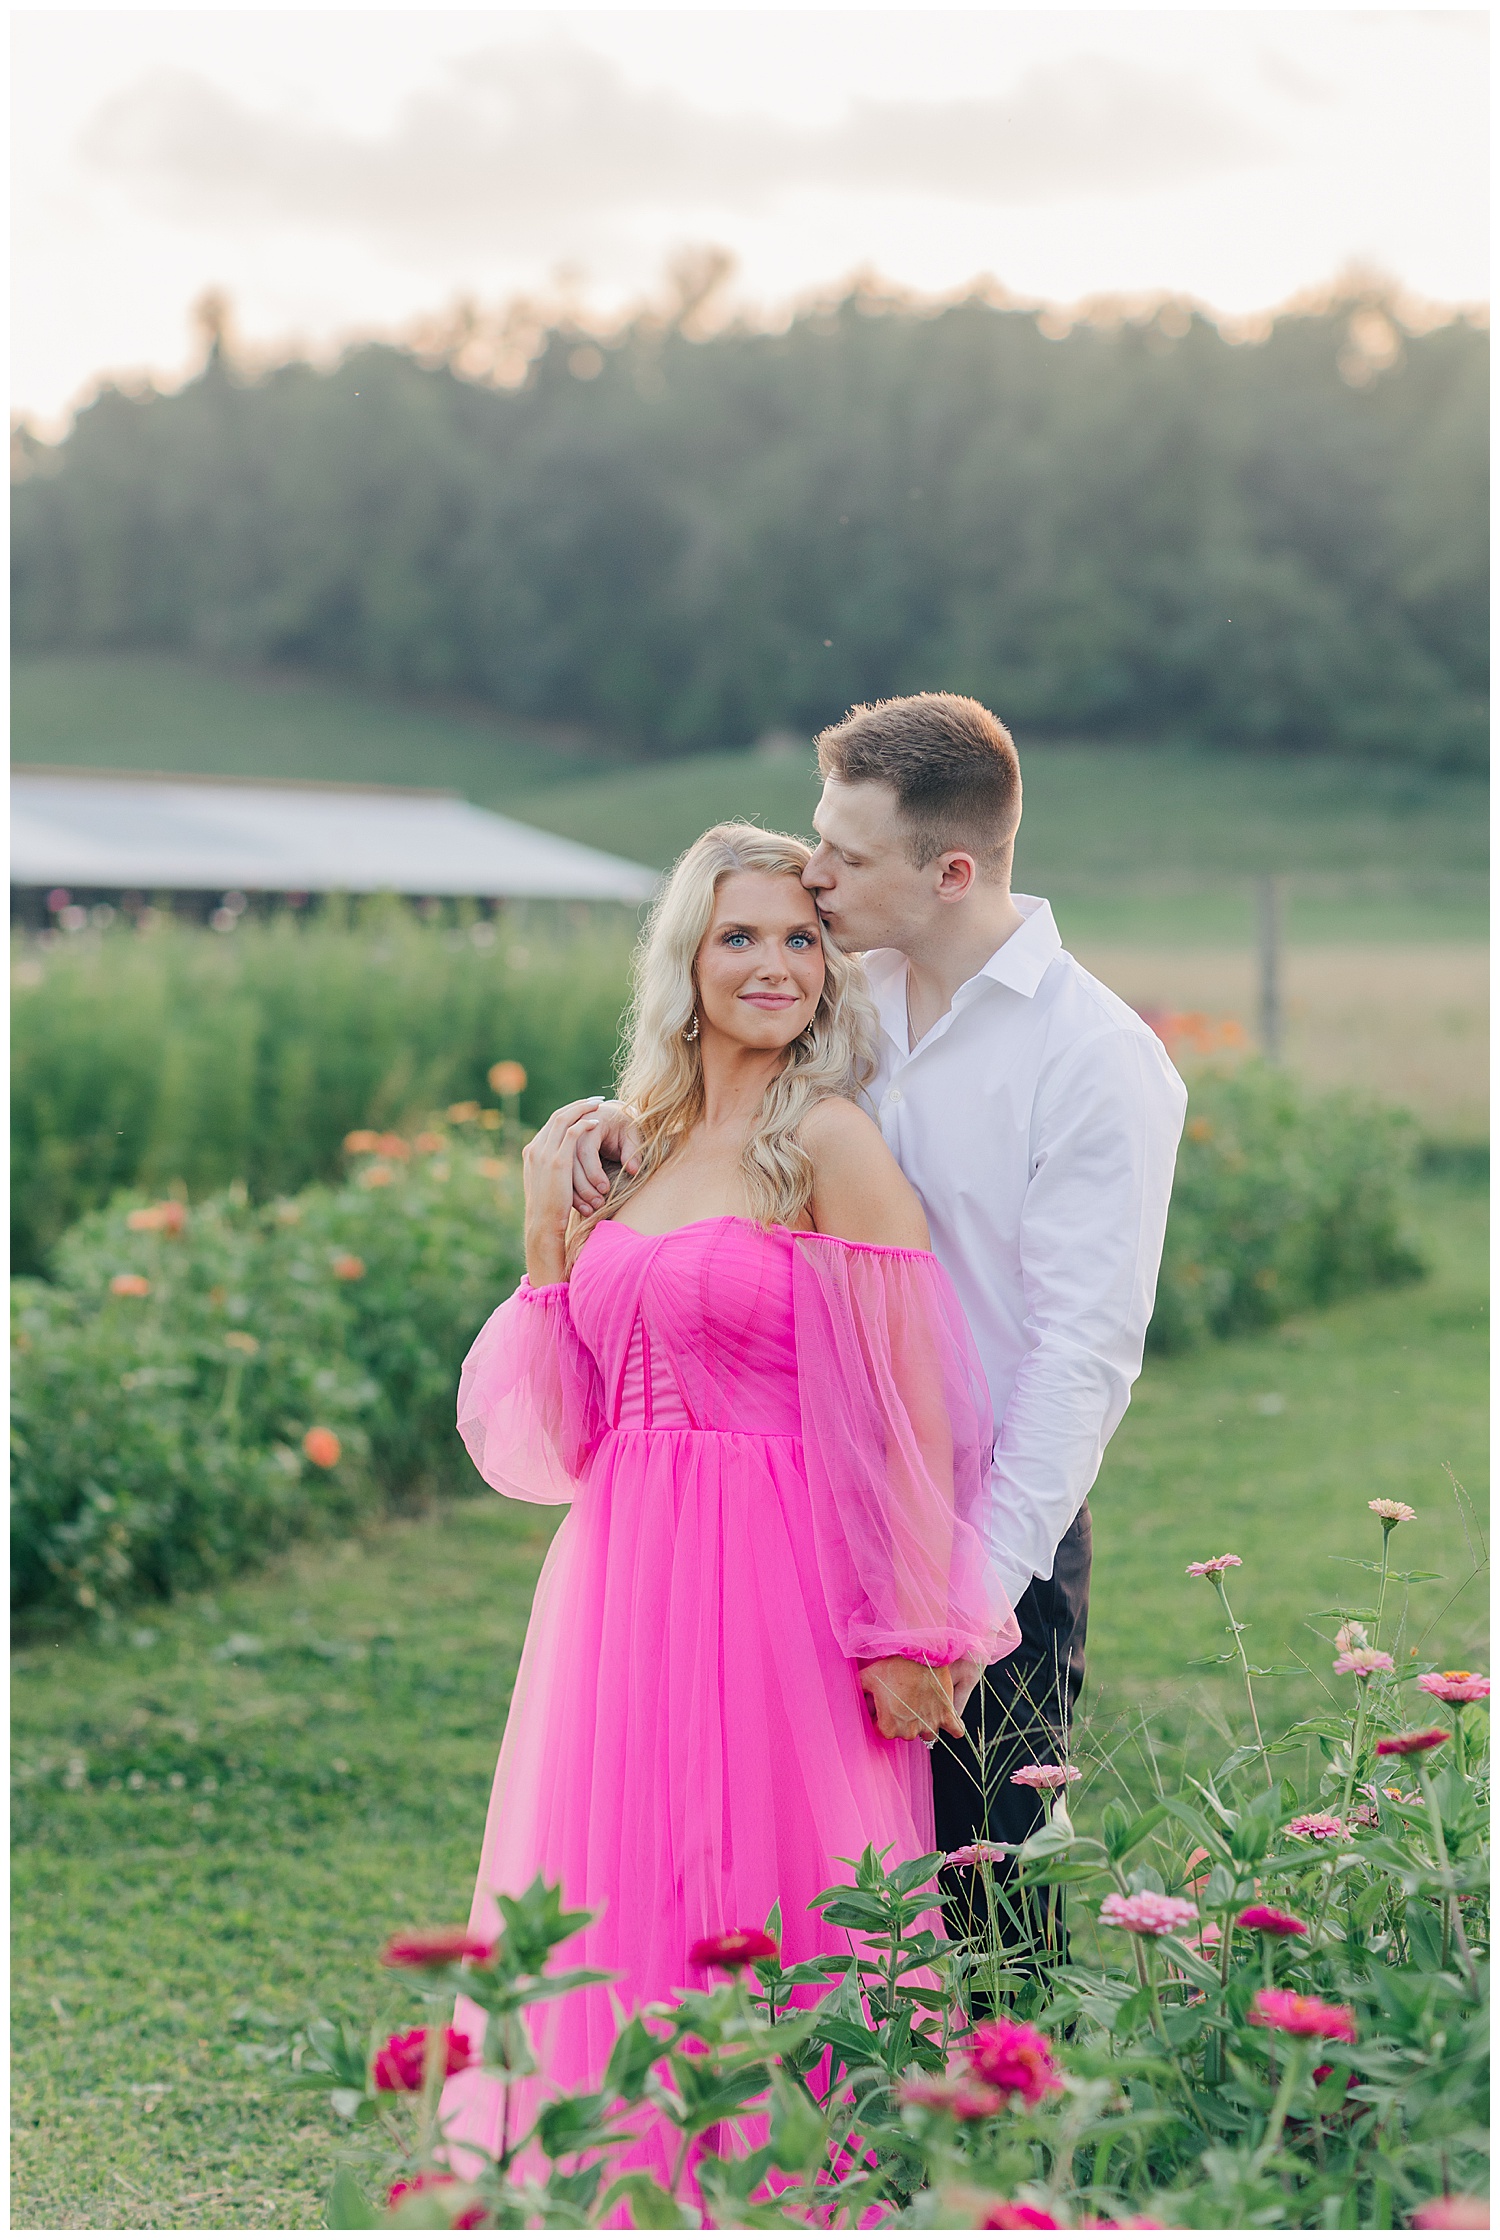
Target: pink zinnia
(1453,2212)
(965,2098)
(1045,1777)
(1411,1745)
(433,1948)
(399,2063)
(1147,1913)
(1321,1826)
(1302,2015)
(733,1948)
(1214,1566)
(1362,1662)
(977,1855)
(1455,1687)
(1272,1922)
(1013,2058)
(1016,2216)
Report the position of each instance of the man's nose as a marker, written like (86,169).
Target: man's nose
(814,872)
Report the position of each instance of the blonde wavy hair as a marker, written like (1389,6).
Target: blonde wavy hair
(661,1081)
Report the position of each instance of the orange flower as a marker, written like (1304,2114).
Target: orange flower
(489,1119)
(459,1113)
(129,1287)
(1200,1130)
(507,1079)
(493,1168)
(392,1146)
(348,1267)
(321,1446)
(427,1141)
(361,1139)
(377,1177)
(170,1215)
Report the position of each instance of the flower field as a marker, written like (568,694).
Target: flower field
(350,1697)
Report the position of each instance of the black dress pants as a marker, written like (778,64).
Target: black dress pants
(1019,1714)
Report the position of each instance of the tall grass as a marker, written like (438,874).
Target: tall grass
(175,1055)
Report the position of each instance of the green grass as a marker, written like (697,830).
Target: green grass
(1134,843)
(143,711)
(333,1772)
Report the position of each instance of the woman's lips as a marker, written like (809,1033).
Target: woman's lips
(771,1003)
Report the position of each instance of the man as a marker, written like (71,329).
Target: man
(1037,1118)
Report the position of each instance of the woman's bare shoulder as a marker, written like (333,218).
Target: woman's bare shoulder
(859,1192)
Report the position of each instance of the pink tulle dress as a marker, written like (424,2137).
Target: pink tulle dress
(775,1446)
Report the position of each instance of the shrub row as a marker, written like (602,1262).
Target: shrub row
(192,1393)
(172,1379)
(182,1059)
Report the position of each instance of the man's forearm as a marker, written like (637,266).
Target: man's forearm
(1066,1406)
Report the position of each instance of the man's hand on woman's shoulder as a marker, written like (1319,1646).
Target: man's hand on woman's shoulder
(609,1142)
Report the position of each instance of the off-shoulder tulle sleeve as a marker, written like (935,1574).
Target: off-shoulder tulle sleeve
(896,1435)
(530,1405)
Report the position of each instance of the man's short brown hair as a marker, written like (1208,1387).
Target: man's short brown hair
(952,765)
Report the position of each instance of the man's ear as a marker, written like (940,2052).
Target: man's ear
(958,874)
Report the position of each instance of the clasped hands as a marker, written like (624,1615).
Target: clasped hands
(911,1702)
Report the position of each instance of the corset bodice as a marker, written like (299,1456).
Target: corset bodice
(692,1330)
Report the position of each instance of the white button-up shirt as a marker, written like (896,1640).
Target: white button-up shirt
(1038,1122)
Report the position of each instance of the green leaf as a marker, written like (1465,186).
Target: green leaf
(348,2210)
(1120,1840)
(652,2208)
(799,2130)
(632,2057)
(1135,2011)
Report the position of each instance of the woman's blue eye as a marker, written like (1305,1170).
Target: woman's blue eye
(803,940)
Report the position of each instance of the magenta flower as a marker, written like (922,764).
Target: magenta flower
(1012,2057)
(1411,1745)
(433,1948)
(1362,1662)
(977,1855)
(1214,1566)
(965,2098)
(732,1948)
(1303,2016)
(1147,1913)
(1271,1922)
(400,2061)
(1453,2212)
(1322,1827)
(1016,2216)
(1045,1777)
(1455,1687)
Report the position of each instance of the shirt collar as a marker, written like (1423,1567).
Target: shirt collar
(1018,963)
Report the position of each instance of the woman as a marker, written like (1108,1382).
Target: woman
(755,1385)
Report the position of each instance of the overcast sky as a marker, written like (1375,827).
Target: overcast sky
(344,172)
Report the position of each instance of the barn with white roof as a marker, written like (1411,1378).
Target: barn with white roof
(109,835)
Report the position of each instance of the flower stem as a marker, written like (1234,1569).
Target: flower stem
(1387,1527)
(1291,2077)
(1245,1669)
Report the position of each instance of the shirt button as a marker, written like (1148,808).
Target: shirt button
(893,1096)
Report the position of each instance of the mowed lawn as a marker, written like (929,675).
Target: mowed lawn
(221,1812)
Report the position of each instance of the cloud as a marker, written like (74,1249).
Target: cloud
(518,149)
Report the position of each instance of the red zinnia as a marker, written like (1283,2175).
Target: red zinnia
(433,1948)
(1271,1922)
(321,1446)
(399,2063)
(1013,2058)
(1411,1745)
(733,1948)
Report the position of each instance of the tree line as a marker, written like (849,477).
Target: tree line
(1144,529)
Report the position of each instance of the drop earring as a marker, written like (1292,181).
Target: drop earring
(690,1031)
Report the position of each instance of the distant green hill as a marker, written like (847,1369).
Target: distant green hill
(1136,843)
